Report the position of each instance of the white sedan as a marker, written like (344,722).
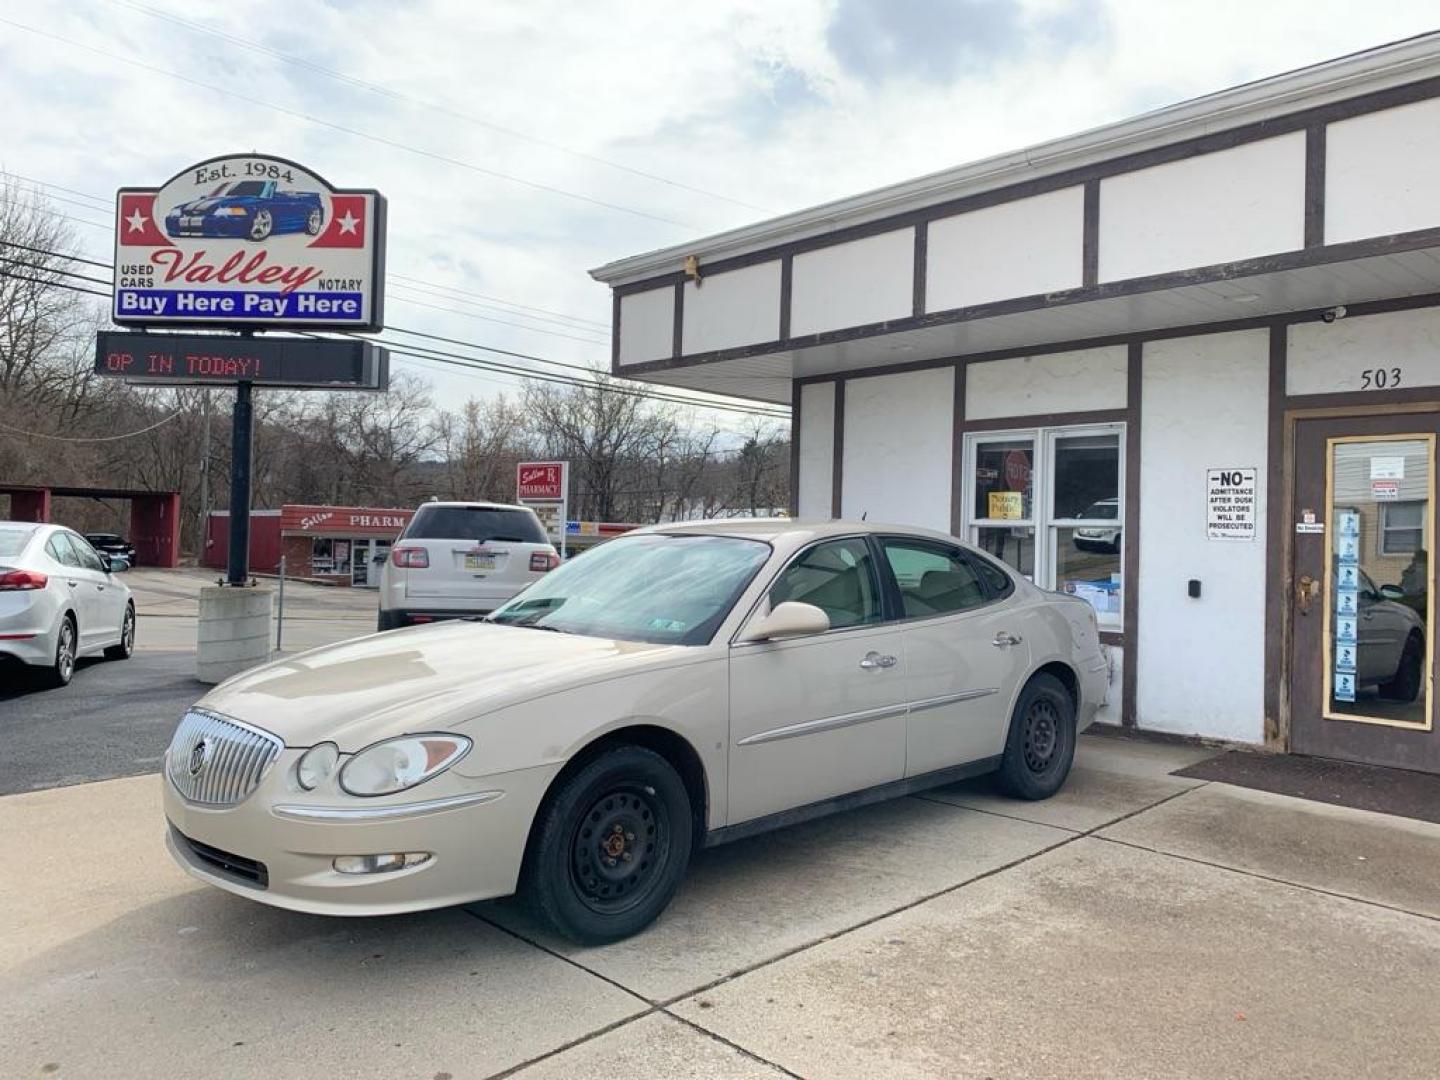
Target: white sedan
(678,687)
(60,600)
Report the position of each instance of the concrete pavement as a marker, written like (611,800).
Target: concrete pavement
(1138,925)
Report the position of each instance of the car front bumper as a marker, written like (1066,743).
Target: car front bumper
(234,227)
(278,846)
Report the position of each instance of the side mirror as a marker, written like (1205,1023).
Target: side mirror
(787,620)
(114,564)
(1392,592)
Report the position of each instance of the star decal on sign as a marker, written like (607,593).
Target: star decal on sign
(348,222)
(136,221)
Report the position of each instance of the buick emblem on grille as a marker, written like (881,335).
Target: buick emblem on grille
(199,756)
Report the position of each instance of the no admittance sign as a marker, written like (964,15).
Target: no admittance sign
(1230,504)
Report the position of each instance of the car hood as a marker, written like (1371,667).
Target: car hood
(419,679)
(196,206)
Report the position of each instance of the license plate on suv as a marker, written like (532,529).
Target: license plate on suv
(479,560)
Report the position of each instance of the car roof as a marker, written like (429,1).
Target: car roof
(471,504)
(770,529)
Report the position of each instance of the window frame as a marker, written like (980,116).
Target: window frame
(877,576)
(896,598)
(1042,523)
(1386,528)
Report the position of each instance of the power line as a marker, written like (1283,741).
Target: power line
(488,318)
(58,254)
(343,129)
(461,360)
(96,439)
(589,371)
(404,282)
(54,270)
(408,99)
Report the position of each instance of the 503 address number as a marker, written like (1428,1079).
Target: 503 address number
(1380,378)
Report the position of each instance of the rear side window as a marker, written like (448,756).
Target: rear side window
(62,551)
(933,579)
(1001,584)
(479,523)
(13,541)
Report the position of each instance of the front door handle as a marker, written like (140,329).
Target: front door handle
(1306,590)
(1004,639)
(874,661)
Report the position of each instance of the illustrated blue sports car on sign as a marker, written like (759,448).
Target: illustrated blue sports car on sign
(248,209)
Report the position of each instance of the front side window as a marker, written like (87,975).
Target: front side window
(659,588)
(838,577)
(85,553)
(1050,504)
(933,579)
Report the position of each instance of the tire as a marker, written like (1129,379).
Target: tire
(627,808)
(391,620)
(262,226)
(313,221)
(1410,674)
(126,648)
(1041,744)
(62,670)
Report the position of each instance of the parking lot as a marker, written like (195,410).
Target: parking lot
(1138,924)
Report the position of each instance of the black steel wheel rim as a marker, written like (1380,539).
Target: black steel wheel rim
(1042,736)
(619,846)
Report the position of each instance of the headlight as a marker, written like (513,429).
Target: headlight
(229,211)
(397,764)
(316,765)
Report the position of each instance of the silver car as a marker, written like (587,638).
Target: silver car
(60,600)
(459,559)
(683,685)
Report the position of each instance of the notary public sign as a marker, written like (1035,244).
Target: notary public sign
(249,241)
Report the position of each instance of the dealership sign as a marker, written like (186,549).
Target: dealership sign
(249,242)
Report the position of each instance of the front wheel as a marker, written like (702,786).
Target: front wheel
(1041,744)
(262,225)
(1410,673)
(126,647)
(610,846)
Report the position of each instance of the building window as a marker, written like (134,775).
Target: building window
(1402,528)
(1050,503)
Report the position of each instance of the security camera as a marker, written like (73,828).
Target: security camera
(1331,314)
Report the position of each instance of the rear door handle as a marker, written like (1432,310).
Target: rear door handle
(72,584)
(1004,639)
(874,661)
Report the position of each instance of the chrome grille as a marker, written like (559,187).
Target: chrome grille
(218,762)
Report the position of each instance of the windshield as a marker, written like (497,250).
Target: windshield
(475,523)
(244,187)
(667,590)
(13,541)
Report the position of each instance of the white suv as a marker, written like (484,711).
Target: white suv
(457,559)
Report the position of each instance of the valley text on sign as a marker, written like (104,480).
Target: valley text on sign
(1230,504)
(249,241)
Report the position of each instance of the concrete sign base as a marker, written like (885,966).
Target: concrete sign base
(234,631)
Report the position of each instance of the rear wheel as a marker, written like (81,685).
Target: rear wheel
(1041,744)
(391,620)
(62,670)
(313,221)
(123,650)
(610,846)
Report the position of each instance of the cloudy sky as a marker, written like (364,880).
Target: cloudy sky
(522,142)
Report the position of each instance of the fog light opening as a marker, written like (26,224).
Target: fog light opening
(380,864)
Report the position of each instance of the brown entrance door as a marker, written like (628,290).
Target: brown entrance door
(1362,673)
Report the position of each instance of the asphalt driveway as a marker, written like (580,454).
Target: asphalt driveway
(1137,925)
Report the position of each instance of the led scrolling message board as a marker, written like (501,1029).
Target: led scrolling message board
(200,359)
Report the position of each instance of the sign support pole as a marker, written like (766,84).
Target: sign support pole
(242,425)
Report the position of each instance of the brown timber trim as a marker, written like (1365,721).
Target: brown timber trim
(1034,420)
(1315,186)
(1353,399)
(1112,637)
(1130,603)
(787,285)
(1090,244)
(795,396)
(677,331)
(1277,549)
(918,276)
(1300,258)
(837,461)
(957,453)
(1209,143)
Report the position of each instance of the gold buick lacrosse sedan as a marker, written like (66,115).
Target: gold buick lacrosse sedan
(679,687)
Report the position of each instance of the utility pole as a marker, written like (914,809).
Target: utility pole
(242,428)
(204,472)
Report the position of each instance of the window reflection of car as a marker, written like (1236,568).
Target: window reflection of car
(1102,538)
(1391,642)
(248,209)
